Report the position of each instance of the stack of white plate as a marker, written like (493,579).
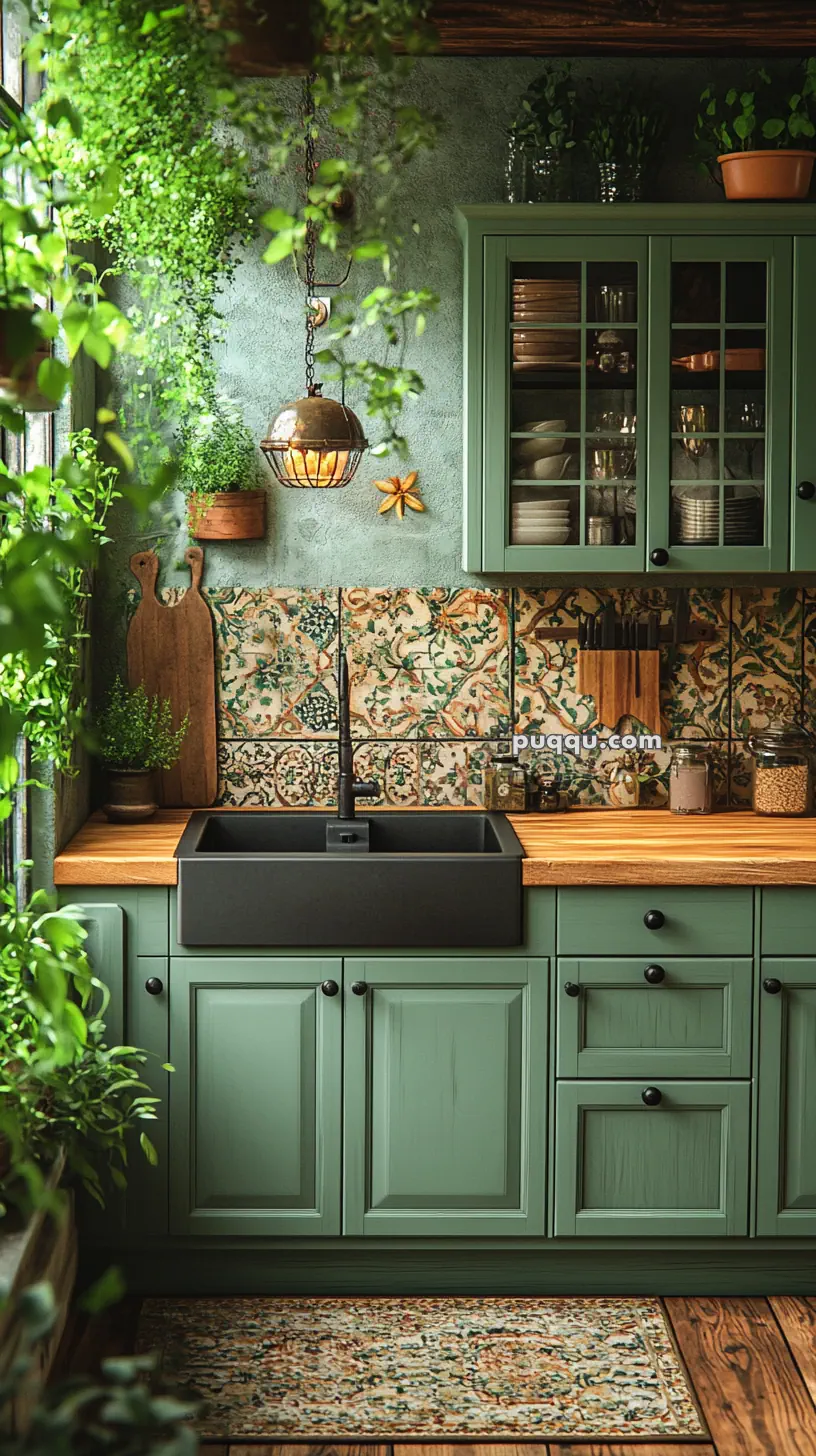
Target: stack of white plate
(697,515)
(540,522)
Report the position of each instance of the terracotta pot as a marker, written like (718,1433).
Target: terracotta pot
(770,175)
(22,350)
(131,795)
(236,515)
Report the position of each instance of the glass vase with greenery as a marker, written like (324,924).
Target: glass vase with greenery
(541,136)
(623,136)
(135,737)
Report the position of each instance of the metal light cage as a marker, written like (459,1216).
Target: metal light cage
(314,443)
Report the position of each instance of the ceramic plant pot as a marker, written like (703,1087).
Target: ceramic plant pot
(236,515)
(22,350)
(131,795)
(770,175)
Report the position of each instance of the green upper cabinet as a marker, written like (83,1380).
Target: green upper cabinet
(632,386)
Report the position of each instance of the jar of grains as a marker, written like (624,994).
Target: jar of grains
(782,769)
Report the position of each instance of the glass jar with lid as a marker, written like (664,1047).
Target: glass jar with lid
(506,785)
(691,780)
(782,769)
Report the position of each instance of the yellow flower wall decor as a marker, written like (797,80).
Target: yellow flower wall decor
(400,492)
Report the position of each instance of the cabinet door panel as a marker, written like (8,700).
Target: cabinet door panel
(696,921)
(803,508)
(680,1168)
(719,403)
(445,1077)
(788,919)
(255,1123)
(786,1179)
(696,1022)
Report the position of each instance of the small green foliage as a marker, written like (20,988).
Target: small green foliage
(762,113)
(218,452)
(624,126)
(549,110)
(62,1088)
(135,731)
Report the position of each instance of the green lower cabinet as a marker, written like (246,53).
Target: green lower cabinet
(445,1086)
(786,1162)
(255,1097)
(678,1017)
(677,1168)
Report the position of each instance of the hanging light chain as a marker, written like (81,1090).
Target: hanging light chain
(311,241)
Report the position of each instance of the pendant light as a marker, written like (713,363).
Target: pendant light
(313,443)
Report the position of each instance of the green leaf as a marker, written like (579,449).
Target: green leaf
(276,219)
(53,378)
(148,1150)
(119,448)
(279,248)
(150,22)
(774,127)
(99,347)
(62,110)
(108,1289)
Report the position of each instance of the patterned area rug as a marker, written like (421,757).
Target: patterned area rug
(431,1369)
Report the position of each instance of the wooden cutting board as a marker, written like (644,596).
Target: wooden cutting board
(172,651)
(613,680)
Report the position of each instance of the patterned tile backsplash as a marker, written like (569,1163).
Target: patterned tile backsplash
(440,679)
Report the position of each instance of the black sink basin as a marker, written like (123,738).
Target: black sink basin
(388,880)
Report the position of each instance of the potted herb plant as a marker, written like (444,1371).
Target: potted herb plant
(135,737)
(623,137)
(729,128)
(218,468)
(541,136)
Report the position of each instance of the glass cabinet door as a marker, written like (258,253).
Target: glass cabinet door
(719,403)
(565,404)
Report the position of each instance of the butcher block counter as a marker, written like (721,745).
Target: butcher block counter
(584,847)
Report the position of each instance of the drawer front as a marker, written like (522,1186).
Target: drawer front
(679,1168)
(689,921)
(681,1017)
(789,921)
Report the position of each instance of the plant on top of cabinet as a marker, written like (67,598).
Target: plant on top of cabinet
(136,737)
(64,1091)
(539,137)
(623,135)
(760,111)
(218,467)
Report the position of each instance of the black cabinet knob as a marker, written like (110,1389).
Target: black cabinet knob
(329,988)
(659,557)
(358,988)
(771,985)
(654,920)
(571,988)
(654,974)
(652,1096)
(806,490)
(154,986)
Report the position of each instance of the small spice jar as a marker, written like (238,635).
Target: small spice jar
(782,769)
(691,781)
(506,785)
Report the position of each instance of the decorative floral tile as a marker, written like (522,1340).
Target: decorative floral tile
(428,663)
(809,705)
(452,774)
(766,656)
(276,661)
(694,677)
(740,776)
(257,772)
(395,767)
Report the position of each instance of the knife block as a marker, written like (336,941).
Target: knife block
(610,678)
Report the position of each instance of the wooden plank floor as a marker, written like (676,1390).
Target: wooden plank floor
(752,1363)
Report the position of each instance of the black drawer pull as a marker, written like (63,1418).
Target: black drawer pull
(329,988)
(358,988)
(154,986)
(571,989)
(771,985)
(806,490)
(654,975)
(654,920)
(652,1096)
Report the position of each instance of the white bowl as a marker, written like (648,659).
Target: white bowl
(535,538)
(545,427)
(527,452)
(550,466)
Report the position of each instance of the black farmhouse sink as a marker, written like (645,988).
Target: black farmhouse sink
(389,880)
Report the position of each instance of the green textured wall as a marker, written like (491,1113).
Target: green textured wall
(336,538)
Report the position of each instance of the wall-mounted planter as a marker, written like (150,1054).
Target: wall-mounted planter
(238,515)
(22,351)
(131,795)
(772,176)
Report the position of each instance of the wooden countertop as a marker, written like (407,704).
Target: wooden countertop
(654,847)
(585,847)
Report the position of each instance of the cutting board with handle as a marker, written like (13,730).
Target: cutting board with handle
(171,649)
